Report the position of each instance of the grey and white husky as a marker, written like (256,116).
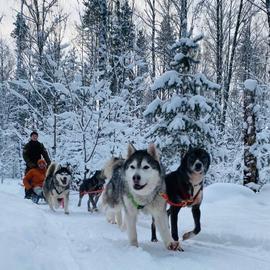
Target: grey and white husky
(56,186)
(111,196)
(136,186)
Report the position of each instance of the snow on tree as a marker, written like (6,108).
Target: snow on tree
(250,160)
(182,113)
(20,34)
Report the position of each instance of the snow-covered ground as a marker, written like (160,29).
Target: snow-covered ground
(235,235)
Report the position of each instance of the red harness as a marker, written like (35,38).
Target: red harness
(183,203)
(91,192)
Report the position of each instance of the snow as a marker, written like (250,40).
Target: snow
(200,80)
(169,78)
(235,235)
(201,102)
(152,107)
(250,85)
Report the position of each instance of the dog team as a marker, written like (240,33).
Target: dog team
(135,184)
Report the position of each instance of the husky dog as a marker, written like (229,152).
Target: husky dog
(90,186)
(111,202)
(185,188)
(56,186)
(140,181)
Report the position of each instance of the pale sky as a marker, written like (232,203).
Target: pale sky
(8,8)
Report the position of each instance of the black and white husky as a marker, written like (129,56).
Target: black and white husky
(56,186)
(137,187)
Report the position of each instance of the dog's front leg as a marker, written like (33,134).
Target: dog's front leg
(130,221)
(153,231)
(51,203)
(89,203)
(161,220)
(96,199)
(66,200)
(91,198)
(80,200)
(174,220)
(196,212)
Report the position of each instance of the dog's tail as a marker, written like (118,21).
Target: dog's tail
(111,165)
(50,171)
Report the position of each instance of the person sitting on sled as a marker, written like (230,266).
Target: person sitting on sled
(33,180)
(33,151)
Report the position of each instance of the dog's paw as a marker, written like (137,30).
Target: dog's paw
(175,246)
(154,240)
(111,221)
(188,235)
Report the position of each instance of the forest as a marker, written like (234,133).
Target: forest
(178,73)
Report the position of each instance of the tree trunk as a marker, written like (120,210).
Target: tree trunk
(183,19)
(250,161)
(231,62)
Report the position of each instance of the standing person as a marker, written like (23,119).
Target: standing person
(33,181)
(33,151)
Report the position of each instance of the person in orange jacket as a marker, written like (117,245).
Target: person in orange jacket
(33,180)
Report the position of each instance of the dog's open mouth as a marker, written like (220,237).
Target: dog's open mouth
(138,187)
(64,181)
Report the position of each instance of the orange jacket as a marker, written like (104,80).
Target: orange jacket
(34,178)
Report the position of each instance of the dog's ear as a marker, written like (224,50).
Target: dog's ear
(131,150)
(58,167)
(152,151)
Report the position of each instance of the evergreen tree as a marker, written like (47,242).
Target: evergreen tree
(165,39)
(141,53)
(95,19)
(183,114)
(122,38)
(20,34)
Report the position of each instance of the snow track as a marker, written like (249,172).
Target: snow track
(235,235)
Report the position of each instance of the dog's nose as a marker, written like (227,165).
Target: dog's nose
(198,166)
(136,178)
(64,178)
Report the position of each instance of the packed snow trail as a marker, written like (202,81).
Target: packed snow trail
(235,235)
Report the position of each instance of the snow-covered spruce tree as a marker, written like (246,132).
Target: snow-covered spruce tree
(20,34)
(122,38)
(165,39)
(128,78)
(94,38)
(183,115)
(141,53)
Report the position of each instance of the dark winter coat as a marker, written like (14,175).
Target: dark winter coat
(32,152)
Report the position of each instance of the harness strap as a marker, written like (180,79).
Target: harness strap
(91,192)
(53,185)
(183,203)
(135,204)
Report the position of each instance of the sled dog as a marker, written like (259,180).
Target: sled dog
(111,196)
(93,187)
(184,187)
(56,186)
(137,188)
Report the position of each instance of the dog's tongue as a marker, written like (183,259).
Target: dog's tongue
(138,187)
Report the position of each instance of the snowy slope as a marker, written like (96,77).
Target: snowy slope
(235,235)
